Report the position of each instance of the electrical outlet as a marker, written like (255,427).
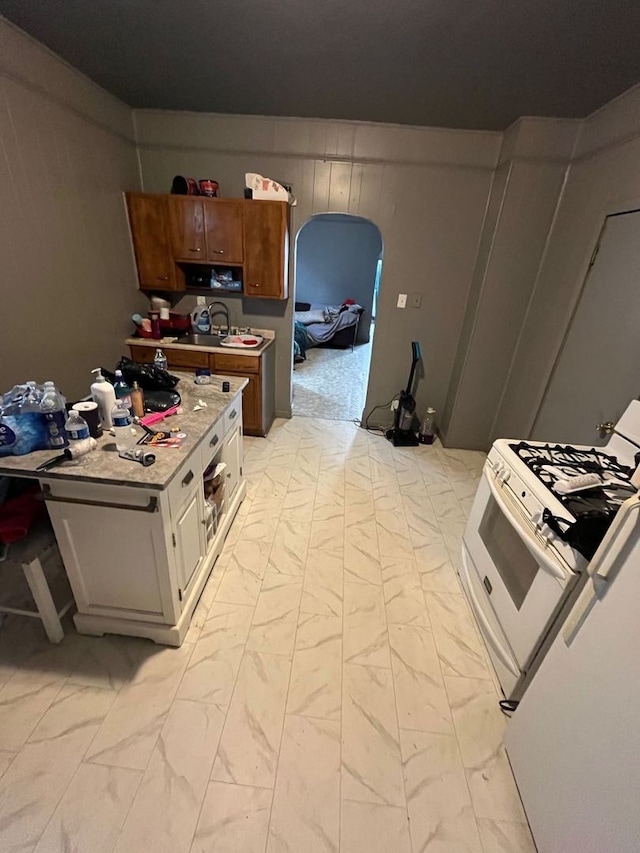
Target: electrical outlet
(201,300)
(416,300)
(394,405)
(402,300)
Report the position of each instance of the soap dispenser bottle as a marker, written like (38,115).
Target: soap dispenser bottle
(103,394)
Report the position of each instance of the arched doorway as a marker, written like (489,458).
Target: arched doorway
(338,260)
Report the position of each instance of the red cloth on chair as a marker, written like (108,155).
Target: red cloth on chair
(18,514)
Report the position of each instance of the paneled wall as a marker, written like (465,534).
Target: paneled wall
(426,189)
(67,283)
(604,178)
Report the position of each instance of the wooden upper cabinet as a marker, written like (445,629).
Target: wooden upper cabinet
(186,226)
(148,217)
(223,231)
(265,249)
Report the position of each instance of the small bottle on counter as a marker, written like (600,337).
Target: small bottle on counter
(137,401)
(122,390)
(55,415)
(77,430)
(160,359)
(103,394)
(121,419)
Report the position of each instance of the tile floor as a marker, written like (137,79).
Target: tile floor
(332,693)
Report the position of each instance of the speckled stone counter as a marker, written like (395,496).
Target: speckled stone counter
(103,465)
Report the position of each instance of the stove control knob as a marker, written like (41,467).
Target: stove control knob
(506,473)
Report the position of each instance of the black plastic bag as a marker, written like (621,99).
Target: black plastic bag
(585,533)
(148,376)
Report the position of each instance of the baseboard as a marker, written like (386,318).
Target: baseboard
(283,413)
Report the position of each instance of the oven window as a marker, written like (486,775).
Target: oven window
(513,561)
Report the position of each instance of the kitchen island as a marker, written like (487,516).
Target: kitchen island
(138,543)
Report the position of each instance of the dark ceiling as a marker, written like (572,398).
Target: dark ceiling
(451,63)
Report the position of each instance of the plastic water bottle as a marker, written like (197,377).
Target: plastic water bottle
(160,359)
(122,390)
(121,419)
(77,429)
(55,415)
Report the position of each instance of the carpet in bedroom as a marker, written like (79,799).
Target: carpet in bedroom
(332,383)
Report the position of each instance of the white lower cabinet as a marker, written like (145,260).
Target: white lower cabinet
(138,559)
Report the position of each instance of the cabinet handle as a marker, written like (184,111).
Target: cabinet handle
(255,284)
(233,414)
(162,278)
(152,506)
(214,441)
(218,251)
(188,477)
(195,250)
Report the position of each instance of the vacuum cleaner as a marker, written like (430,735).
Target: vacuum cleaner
(401,434)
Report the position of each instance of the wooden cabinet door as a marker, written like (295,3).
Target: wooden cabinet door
(252,406)
(265,248)
(148,218)
(223,229)
(186,226)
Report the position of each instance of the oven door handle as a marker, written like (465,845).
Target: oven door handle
(487,630)
(546,561)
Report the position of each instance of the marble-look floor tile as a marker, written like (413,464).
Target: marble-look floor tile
(298,504)
(6,758)
(39,775)
(493,789)
(289,549)
(361,555)
(243,577)
(165,810)
(420,695)
(329,500)
(358,506)
(503,837)
(366,640)
(92,810)
(306,801)
(128,734)
(436,572)
(373,828)
(23,701)
(455,635)
(248,751)
(371,763)
(316,675)
(273,629)
(109,661)
(403,596)
(213,666)
(440,812)
(327,536)
(323,583)
(234,819)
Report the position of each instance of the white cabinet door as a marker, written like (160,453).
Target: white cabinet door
(232,455)
(189,540)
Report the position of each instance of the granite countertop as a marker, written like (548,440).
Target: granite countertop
(174,343)
(103,465)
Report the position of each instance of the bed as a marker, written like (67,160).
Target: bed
(325,325)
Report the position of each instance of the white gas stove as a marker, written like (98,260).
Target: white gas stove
(538,517)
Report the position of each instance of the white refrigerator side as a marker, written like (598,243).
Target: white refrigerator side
(574,741)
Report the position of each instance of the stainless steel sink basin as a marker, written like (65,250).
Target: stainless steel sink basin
(202,340)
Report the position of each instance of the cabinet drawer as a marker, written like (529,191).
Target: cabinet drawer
(181,487)
(180,358)
(212,442)
(225,362)
(143,355)
(233,415)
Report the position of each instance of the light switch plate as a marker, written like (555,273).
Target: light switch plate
(416,300)
(402,300)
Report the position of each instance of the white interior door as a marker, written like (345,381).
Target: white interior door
(597,372)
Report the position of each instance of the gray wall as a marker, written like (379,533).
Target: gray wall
(425,188)
(66,277)
(604,178)
(336,259)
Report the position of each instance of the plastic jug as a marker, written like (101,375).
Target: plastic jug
(200,320)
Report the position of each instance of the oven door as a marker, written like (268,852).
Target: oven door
(523,579)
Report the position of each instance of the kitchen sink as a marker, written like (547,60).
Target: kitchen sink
(202,340)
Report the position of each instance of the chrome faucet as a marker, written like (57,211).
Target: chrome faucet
(222,310)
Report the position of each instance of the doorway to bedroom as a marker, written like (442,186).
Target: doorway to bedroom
(338,263)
